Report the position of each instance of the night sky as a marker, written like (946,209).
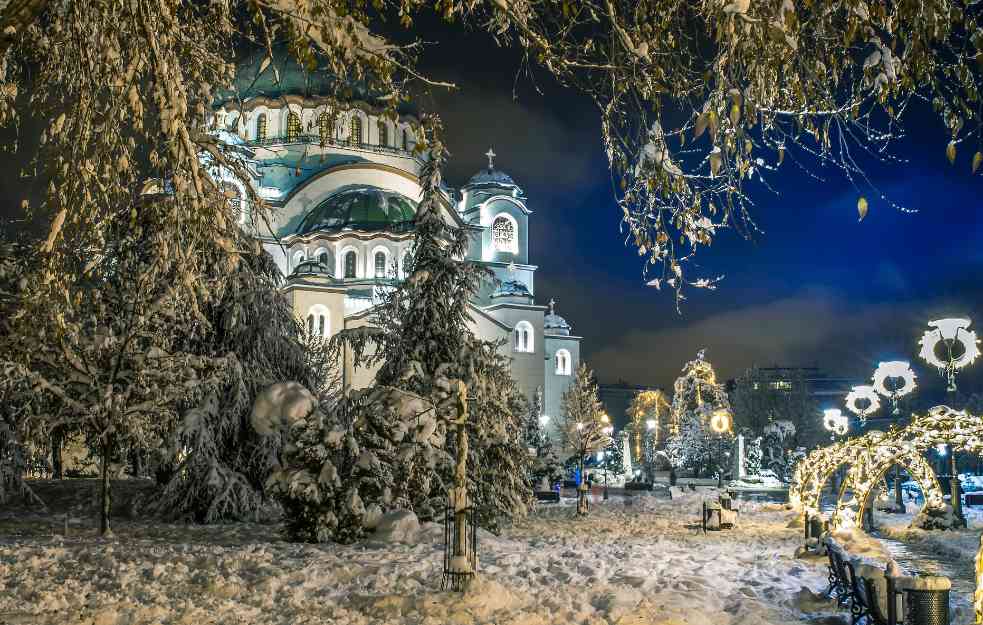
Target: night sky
(816,288)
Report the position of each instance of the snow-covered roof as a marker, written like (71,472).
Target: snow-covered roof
(556,323)
(512,288)
(491,176)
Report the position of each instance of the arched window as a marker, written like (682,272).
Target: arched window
(523,337)
(403,143)
(351,259)
(380,264)
(294,128)
(504,234)
(383,133)
(323,258)
(325,127)
(355,136)
(298,258)
(318,323)
(261,127)
(562,362)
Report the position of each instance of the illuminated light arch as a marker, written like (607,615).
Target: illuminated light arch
(867,471)
(907,447)
(822,467)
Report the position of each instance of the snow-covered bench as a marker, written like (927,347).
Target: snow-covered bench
(874,595)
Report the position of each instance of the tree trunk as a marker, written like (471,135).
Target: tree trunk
(57,440)
(105,500)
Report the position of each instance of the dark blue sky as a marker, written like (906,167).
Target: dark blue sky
(816,288)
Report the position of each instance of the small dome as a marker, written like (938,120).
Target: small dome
(556,323)
(364,208)
(311,267)
(491,176)
(512,288)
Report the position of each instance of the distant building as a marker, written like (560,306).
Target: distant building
(821,386)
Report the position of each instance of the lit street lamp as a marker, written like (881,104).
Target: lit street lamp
(894,369)
(720,423)
(835,422)
(947,333)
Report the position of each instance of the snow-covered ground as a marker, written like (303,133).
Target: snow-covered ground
(644,563)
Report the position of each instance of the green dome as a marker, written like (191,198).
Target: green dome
(291,78)
(364,208)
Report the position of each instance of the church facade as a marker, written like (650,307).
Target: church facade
(344,185)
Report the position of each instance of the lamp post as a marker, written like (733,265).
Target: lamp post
(836,424)
(720,421)
(650,426)
(947,333)
(608,431)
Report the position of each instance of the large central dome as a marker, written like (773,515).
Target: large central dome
(363,207)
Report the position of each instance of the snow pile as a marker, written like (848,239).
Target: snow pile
(645,563)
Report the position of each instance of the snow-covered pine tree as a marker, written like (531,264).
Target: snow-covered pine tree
(583,425)
(545,463)
(422,342)
(696,394)
(223,462)
(109,355)
(613,462)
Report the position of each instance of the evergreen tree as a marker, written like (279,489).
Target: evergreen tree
(422,342)
(113,354)
(583,425)
(544,463)
(223,462)
(696,394)
(613,462)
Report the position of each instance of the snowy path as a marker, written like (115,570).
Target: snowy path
(642,564)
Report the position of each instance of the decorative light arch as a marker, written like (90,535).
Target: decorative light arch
(869,466)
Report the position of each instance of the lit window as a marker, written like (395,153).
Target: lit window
(350,260)
(317,321)
(380,264)
(383,133)
(325,127)
(523,337)
(293,127)
(261,127)
(562,362)
(503,234)
(355,136)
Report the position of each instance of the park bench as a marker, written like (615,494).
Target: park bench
(838,583)
(874,595)
(548,496)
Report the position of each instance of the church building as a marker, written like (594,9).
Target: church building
(344,184)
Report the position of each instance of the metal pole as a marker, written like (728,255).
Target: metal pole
(957,508)
(720,457)
(898,500)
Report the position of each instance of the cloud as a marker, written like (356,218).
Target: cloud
(814,328)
